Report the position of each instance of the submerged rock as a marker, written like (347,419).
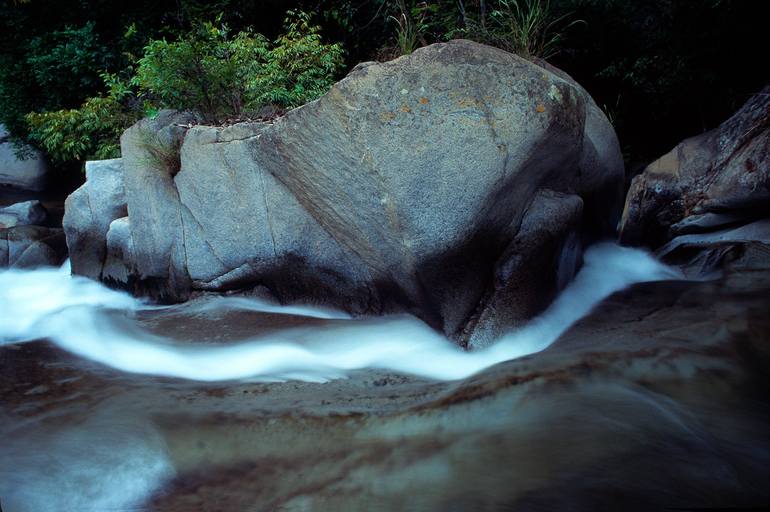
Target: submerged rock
(404,188)
(658,399)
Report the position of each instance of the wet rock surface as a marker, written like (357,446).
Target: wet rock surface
(657,399)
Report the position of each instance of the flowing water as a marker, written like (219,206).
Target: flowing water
(224,403)
(74,313)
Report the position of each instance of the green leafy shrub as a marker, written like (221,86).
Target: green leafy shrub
(219,77)
(205,71)
(49,71)
(90,132)
(298,68)
(64,63)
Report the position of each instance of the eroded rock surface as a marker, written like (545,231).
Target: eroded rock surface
(88,214)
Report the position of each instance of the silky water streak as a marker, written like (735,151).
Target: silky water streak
(79,315)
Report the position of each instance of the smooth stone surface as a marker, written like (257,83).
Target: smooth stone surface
(547,244)
(758,231)
(8,220)
(26,213)
(120,250)
(707,222)
(157,233)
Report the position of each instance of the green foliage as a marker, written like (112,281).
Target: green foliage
(409,27)
(297,69)
(50,71)
(205,71)
(90,132)
(664,69)
(528,27)
(67,60)
(218,76)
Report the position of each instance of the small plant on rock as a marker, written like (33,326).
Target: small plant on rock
(525,27)
(162,153)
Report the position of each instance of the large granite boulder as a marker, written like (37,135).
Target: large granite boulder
(28,172)
(405,187)
(88,213)
(709,182)
(31,246)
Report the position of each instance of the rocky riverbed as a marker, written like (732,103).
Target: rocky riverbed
(658,398)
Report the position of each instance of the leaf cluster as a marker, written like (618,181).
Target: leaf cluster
(219,76)
(89,132)
(207,71)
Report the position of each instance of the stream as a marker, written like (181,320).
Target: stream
(635,389)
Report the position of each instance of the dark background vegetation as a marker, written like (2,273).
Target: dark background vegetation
(663,70)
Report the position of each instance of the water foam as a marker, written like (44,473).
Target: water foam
(108,461)
(79,315)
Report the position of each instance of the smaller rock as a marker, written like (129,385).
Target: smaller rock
(705,181)
(31,246)
(27,173)
(8,220)
(707,222)
(702,255)
(756,231)
(27,213)
(88,212)
(119,252)
(546,245)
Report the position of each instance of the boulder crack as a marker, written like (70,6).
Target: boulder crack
(205,241)
(268,215)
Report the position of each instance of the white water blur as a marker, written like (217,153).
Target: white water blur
(78,315)
(107,462)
